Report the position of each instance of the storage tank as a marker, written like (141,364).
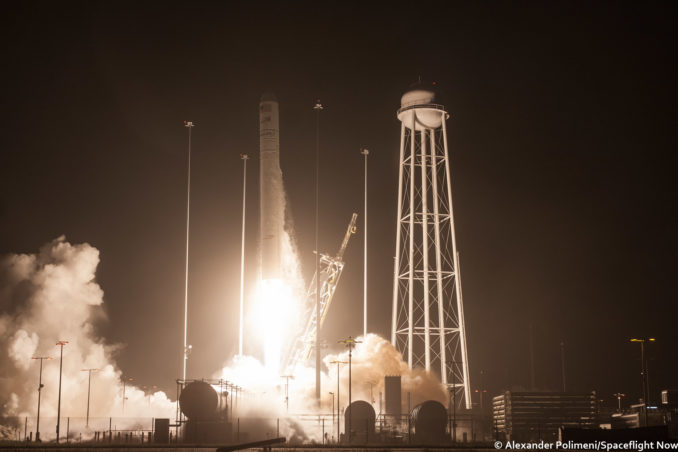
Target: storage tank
(429,422)
(362,420)
(199,401)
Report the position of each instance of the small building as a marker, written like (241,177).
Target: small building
(536,416)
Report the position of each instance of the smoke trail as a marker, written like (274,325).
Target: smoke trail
(51,296)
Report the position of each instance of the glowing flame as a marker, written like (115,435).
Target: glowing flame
(276,311)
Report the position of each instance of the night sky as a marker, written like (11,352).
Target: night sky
(563,160)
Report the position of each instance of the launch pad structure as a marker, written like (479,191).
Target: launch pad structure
(428,315)
(327,279)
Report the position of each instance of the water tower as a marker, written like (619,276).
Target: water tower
(428,312)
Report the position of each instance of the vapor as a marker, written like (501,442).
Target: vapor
(372,359)
(48,297)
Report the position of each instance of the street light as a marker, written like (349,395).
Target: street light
(61,365)
(619,396)
(338,363)
(40,386)
(89,386)
(332,394)
(643,367)
(124,387)
(350,344)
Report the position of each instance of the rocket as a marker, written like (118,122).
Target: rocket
(271,198)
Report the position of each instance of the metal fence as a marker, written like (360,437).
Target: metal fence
(298,429)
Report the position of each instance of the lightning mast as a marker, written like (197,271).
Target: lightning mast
(189,125)
(244,158)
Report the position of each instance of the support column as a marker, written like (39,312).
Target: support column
(439,265)
(410,320)
(457,279)
(424,230)
(396,259)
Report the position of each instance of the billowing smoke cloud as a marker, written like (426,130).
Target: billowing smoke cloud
(53,296)
(373,359)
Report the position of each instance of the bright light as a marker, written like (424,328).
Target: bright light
(276,313)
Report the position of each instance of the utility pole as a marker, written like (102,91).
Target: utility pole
(40,386)
(61,366)
(350,344)
(364,151)
(189,125)
(338,363)
(89,387)
(244,158)
(318,108)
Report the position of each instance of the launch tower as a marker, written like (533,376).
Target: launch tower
(428,313)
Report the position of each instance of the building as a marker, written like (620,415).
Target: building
(535,416)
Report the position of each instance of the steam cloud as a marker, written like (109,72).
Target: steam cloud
(372,360)
(52,296)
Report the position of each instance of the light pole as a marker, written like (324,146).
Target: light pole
(338,363)
(643,368)
(619,396)
(287,393)
(364,151)
(244,158)
(61,366)
(124,388)
(189,125)
(350,344)
(89,387)
(40,386)
(332,394)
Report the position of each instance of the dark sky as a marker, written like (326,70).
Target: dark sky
(563,159)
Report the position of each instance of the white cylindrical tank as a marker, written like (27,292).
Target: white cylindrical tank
(271,199)
(419,105)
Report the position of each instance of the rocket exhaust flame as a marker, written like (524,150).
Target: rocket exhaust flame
(275,309)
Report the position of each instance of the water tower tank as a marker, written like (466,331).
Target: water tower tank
(419,106)
(199,401)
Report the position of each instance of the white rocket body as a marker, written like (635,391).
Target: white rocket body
(271,198)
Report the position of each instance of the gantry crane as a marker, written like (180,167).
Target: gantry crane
(330,272)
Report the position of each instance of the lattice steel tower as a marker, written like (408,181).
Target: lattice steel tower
(428,313)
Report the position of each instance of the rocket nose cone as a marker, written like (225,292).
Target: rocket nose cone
(268,97)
